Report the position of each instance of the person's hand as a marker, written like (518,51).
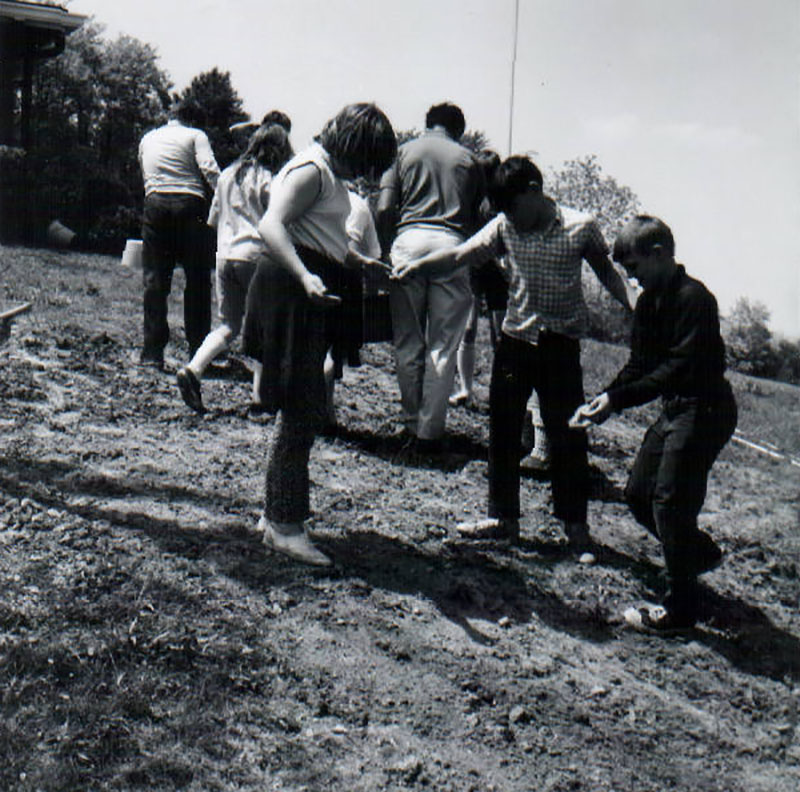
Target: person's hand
(353,260)
(405,268)
(5,330)
(595,412)
(356,260)
(317,291)
(384,266)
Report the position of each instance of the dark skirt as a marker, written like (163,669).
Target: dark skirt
(284,330)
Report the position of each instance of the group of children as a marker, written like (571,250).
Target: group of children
(285,260)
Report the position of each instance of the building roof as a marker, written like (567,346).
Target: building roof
(40,15)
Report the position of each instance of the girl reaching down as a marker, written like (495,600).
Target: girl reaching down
(295,306)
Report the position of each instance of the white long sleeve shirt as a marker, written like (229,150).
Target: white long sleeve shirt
(177,159)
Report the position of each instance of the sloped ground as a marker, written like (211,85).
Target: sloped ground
(148,641)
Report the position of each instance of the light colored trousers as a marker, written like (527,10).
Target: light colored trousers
(429,316)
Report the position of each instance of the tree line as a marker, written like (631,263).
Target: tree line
(90,107)
(93,103)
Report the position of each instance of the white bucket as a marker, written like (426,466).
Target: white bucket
(132,255)
(59,235)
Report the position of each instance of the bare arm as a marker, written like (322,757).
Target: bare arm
(355,260)
(204,156)
(609,277)
(297,194)
(484,245)
(436,262)
(387,214)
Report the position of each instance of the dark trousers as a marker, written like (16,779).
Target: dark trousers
(174,231)
(287,490)
(290,337)
(667,485)
(553,368)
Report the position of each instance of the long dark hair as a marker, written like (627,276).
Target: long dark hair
(269,147)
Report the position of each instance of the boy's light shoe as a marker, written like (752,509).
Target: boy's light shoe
(490,528)
(537,462)
(292,542)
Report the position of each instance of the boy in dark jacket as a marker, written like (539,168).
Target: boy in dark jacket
(677,353)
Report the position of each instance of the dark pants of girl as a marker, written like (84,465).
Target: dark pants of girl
(553,368)
(290,336)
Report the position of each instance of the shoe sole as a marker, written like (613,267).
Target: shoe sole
(189,394)
(486,530)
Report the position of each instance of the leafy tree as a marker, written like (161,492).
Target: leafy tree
(222,106)
(91,106)
(134,93)
(788,354)
(473,139)
(748,339)
(581,184)
(65,91)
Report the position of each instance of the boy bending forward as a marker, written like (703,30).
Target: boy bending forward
(542,246)
(676,353)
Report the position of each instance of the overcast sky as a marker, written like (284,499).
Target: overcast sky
(691,103)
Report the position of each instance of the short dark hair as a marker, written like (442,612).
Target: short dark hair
(515,176)
(277,117)
(448,116)
(641,235)
(360,137)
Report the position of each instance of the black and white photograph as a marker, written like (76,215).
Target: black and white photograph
(399,396)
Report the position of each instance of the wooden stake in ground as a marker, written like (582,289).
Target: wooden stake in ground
(12,312)
(8,316)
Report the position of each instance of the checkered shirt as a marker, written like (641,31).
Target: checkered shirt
(543,269)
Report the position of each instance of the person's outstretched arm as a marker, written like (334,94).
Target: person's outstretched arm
(484,245)
(609,277)
(387,214)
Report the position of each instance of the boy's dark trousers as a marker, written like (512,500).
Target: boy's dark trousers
(667,485)
(174,230)
(553,368)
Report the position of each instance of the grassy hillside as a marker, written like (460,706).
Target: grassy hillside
(149,641)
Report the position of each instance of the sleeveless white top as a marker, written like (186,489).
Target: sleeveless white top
(323,226)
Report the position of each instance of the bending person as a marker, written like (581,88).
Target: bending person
(677,353)
(293,306)
(542,246)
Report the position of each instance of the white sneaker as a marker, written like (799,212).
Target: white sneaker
(537,462)
(293,543)
(490,528)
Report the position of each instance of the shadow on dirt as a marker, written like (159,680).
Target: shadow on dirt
(748,639)
(18,476)
(464,581)
(467,582)
(401,449)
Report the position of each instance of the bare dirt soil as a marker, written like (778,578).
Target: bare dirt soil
(149,641)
